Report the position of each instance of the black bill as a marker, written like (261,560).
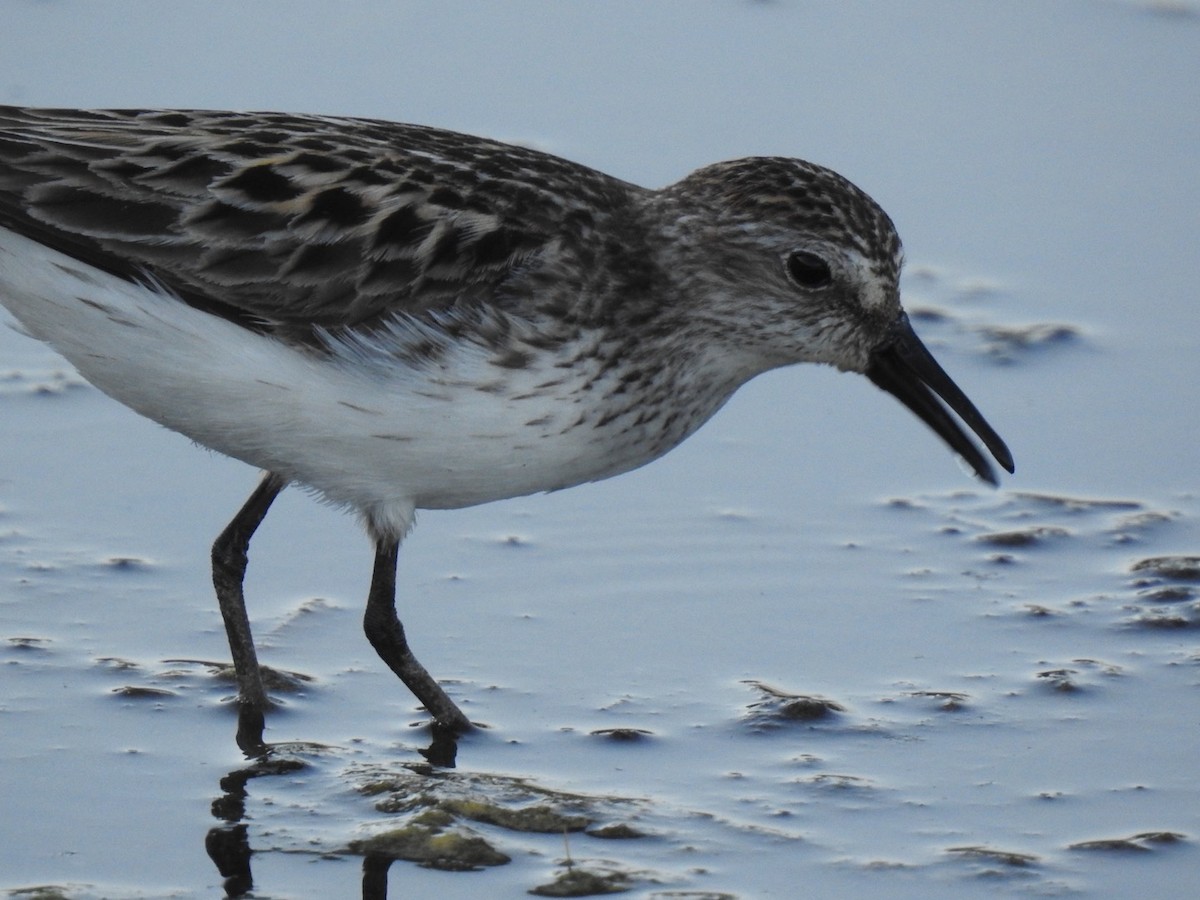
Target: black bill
(905,369)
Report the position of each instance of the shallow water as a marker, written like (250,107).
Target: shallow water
(1013,687)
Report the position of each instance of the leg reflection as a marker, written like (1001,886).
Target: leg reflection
(228,844)
(375,873)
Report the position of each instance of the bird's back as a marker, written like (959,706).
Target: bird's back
(288,222)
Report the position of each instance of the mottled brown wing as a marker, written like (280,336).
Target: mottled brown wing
(286,222)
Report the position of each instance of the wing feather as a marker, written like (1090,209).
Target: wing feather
(294,222)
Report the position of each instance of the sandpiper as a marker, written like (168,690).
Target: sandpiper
(401,317)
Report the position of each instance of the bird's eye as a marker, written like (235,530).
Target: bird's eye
(808,270)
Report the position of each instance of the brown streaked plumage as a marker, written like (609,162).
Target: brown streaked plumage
(399,317)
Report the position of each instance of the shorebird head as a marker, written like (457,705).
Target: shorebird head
(796,264)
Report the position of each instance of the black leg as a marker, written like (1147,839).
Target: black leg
(229,569)
(386,635)
(375,872)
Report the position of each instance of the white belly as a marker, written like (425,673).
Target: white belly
(382,438)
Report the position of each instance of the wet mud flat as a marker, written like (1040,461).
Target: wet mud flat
(797,654)
(1050,756)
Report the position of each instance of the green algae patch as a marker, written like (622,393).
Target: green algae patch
(432,846)
(511,803)
(448,820)
(577,882)
(542,819)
